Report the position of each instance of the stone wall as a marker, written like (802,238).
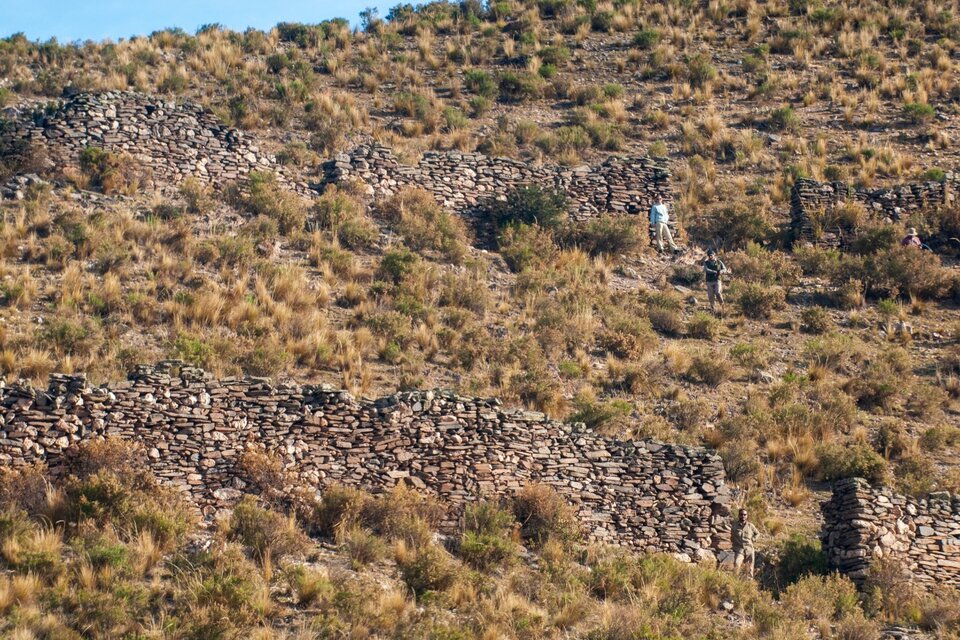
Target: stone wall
(864,523)
(173,140)
(812,203)
(462,181)
(646,495)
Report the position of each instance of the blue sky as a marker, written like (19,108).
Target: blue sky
(114,19)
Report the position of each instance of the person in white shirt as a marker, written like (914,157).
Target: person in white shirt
(659,218)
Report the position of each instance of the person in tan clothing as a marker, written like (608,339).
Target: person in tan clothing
(744,536)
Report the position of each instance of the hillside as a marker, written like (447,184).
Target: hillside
(202,197)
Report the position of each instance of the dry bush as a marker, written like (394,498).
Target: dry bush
(758,301)
(24,488)
(267,475)
(112,173)
(544,515)
(425,225)
(710,367)
(341,213)
(270,535)
(123,458)
(267,197)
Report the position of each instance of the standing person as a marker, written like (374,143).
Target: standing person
(659,217)
(744,535)
(713,269)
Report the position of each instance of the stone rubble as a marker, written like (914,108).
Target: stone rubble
(864,523)
(645,495)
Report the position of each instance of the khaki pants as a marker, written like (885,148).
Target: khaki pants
(714,293)
(745,557)
(663,231)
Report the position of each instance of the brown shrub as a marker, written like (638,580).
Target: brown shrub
(544,515)
(123,458)
(267,533)
(24,488)
(425,225)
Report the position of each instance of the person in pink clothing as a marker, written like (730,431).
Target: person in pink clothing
(911,239)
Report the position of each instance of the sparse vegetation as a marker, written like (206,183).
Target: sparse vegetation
(816,352)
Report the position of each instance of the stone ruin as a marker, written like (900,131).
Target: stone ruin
(863,524)
(174,140)
(463,181)
(645,495)
(813,205)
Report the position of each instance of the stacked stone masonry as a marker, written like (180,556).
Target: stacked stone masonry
(863,524)
(812,204)
(645,495)
(463,181)
(174,140)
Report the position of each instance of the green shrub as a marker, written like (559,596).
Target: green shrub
(700,70)
(268,198)
(480,82)
(596,414)
(783,119)
(264,531)
(814,596)
(543,515)
(800,556)
(345,217)
(815,320)
(709,368)
(602,21)
(454,119)
(426,569)
(703,326)
(687,275)
(818,262)
(919,112)
(425,225)
(646,38)
(737,226)
(608,235)
(362,546)
(530,205)
(339,508)
(939,437)
(397,265)
(111,172)
(666,320)
(487,539)
(897,271)
(627,334)
(759,301)
(519,87)
(523,246)
(851,461)
(130,503)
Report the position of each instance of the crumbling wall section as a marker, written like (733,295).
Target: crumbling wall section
(172,139)
(463,181)
(813,205)
(863,524)
(645,495)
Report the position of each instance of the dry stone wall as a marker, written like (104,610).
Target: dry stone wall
(812,203)
(864,523)
(174,140)
(462,181)
(646,495)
